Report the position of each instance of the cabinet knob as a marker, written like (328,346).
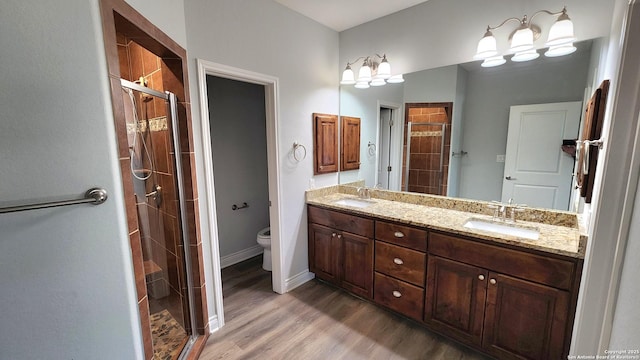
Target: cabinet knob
(397,293)
(398,261)
(398,234)
(481,277)
(339,236)
(492,281)
(333,235)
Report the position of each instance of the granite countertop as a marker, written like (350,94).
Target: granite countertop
(567,239)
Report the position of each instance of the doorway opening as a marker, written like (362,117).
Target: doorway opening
(237,125)
(388,149)
(426,148)
(269,85)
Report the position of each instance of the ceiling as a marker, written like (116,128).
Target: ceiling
(344,14)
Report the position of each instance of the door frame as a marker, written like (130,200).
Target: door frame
(395,156)
(270,84)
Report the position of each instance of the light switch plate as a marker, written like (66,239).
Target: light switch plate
(500,158)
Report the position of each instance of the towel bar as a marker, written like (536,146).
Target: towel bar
(95,196)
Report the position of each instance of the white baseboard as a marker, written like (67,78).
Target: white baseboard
(213,324)
(297,280)
(240,256)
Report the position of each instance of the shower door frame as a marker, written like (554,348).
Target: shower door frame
(184,226)
(443,132)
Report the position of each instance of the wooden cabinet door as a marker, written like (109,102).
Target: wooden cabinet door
(524,320)
(455,299)
(325,147)
(357,264)
(324,249)
(350,154)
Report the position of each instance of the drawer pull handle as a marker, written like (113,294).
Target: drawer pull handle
(397,293)
(398,261)
(481,277)
(492,281)
(398,234)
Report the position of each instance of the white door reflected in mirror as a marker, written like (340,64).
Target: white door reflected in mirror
(537,172)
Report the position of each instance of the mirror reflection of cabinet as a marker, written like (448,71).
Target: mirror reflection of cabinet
(325,143)
(350,152)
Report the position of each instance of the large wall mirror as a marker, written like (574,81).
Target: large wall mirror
(477,133)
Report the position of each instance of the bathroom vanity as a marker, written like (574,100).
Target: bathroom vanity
(507,296)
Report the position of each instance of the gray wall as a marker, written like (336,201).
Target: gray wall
(265,37)
(66,277)
(490,93)
(239,150)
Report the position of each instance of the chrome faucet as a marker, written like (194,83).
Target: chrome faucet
(501,210)
(364,193)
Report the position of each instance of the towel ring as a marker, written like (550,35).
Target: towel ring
(297,145)
(371,148)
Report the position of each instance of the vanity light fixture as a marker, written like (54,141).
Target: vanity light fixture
(560,39)
(371,73)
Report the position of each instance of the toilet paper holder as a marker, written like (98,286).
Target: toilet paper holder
(236,207)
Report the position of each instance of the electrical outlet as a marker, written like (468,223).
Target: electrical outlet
(500,158)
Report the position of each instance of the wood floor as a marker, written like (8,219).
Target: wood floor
(314,321)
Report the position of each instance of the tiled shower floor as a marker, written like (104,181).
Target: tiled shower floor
(168,336)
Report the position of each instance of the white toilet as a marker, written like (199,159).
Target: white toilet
(264,239)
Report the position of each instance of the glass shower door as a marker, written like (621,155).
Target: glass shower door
(424,161)
(157,181)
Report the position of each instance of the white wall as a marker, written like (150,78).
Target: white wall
(239,151)
(625,330)
(66,274)
(267,38)
(168,15)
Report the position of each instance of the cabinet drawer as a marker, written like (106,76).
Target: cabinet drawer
(402,235)
(549,271)
(398,295)
(402,263)
(341,221)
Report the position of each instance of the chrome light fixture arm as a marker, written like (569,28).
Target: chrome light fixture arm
(489,28)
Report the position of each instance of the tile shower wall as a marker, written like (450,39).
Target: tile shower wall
(425,147)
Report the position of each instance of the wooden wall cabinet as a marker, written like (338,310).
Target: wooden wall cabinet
(341,250)
(350,144)
(325,143)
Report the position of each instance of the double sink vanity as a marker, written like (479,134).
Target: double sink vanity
(506,288)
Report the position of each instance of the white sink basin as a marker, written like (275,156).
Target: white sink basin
(501,228)
(359,203)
